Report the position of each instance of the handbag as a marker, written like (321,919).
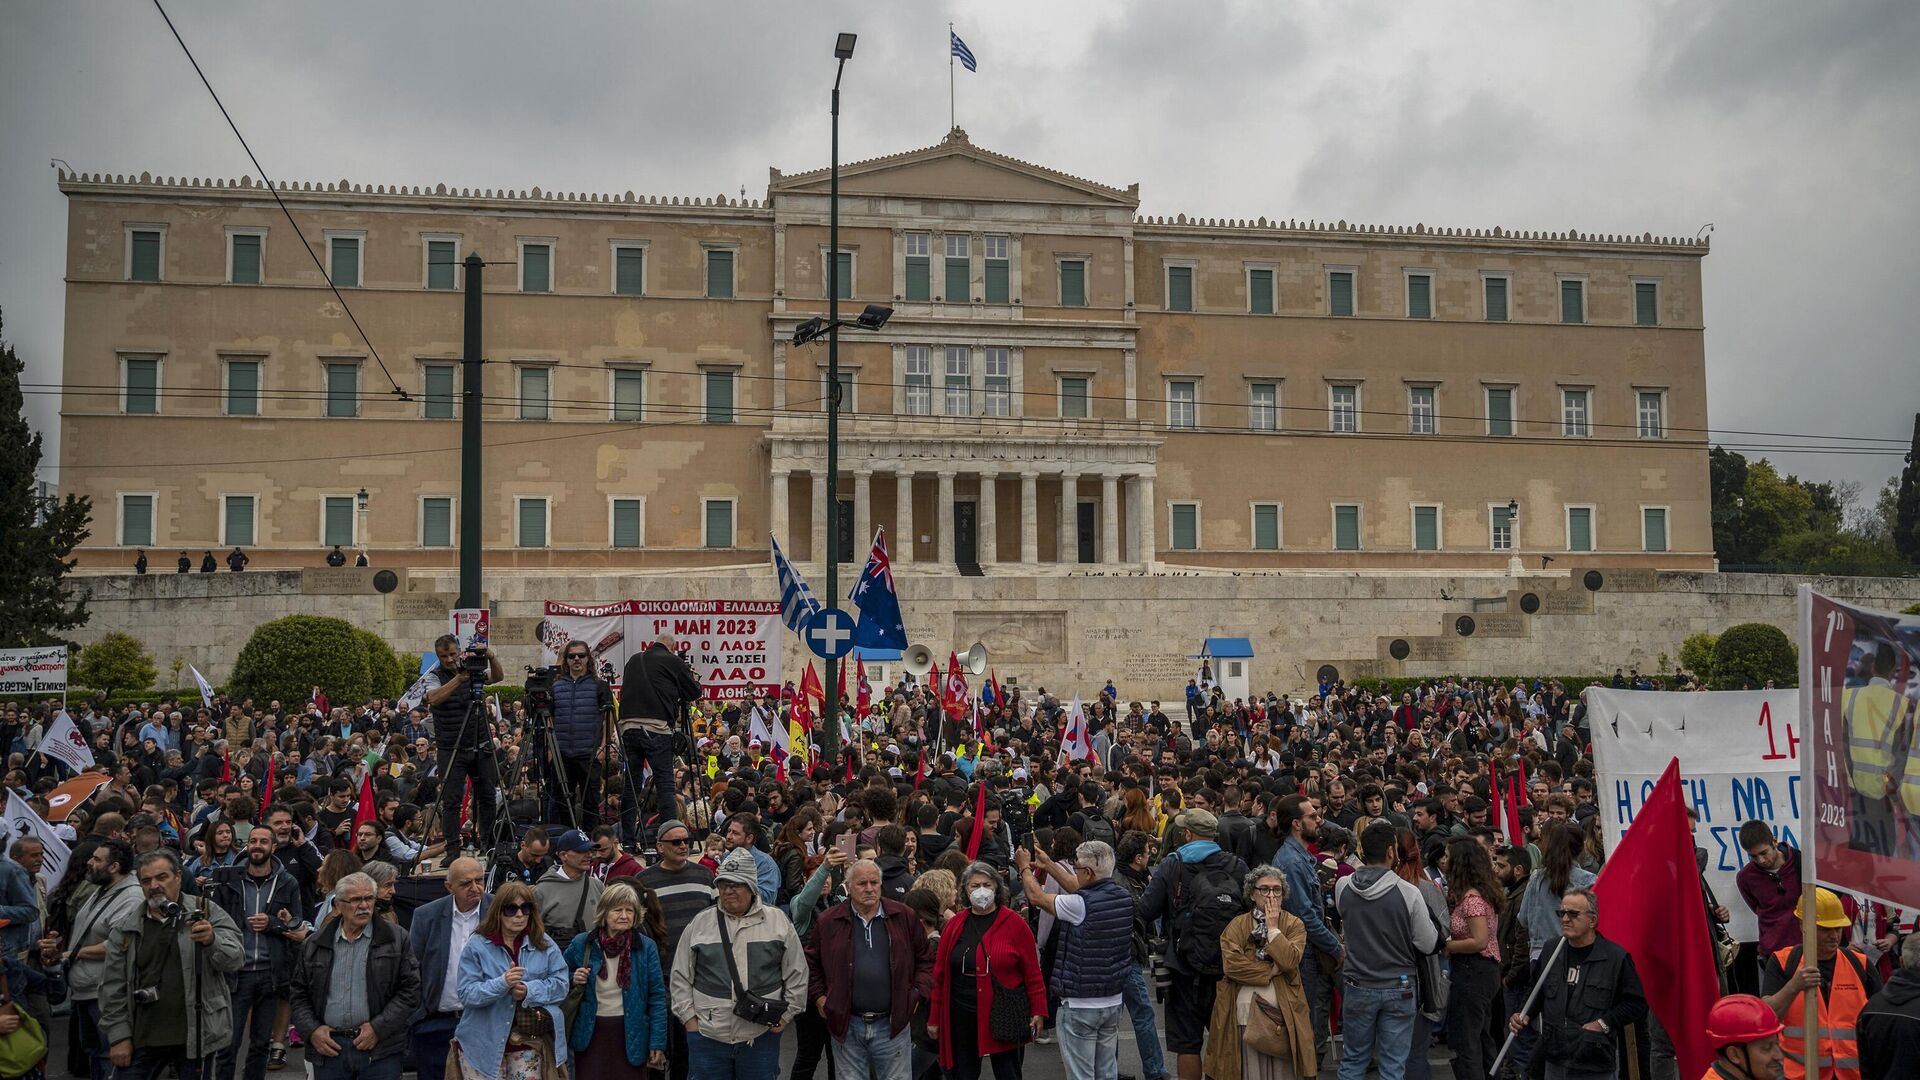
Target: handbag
(747,1005)
(25,1048)
(1010,1015)
(1266,1030)
(1432,978)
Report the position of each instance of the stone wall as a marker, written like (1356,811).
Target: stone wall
(1056,630)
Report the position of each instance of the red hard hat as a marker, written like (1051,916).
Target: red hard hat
(1741,1018)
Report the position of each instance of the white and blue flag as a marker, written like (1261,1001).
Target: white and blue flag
(965,54)
(797,604)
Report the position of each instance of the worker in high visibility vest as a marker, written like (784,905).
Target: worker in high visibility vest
(1845,982)
(1746,1039)
(1876,719)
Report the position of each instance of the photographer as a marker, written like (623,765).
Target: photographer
(265,902)
(655,689)
(582,721)
(459,738)
(164,989)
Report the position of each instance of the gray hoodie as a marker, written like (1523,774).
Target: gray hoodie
(1386,924)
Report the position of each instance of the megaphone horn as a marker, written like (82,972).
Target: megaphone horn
(977,659)
(918,660)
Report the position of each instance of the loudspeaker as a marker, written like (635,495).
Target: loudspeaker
(976,659)
(1530,602)
(918,660)
(1593,579)
(1463,626)
(1399,649)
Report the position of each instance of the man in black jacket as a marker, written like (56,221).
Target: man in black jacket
(1591,992)
(265,902)
(355,1020)
(656,687)
(1889,1027)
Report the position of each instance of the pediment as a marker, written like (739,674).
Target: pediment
(956,169)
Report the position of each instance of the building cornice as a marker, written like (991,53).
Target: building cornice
(1182,227)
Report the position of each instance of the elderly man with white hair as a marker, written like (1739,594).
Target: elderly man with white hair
(868,962)
(355,989)
(1095,920)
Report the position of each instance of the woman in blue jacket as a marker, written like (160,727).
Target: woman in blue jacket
(512,981)
(622,1022)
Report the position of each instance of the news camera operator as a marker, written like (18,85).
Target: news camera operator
(583,709)
(459,736)
(654,690)
(163,995)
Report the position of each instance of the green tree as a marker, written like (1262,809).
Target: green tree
(116,662)
(1696,655)
(1727,481)
(383,669)
(286,658)
(1749,655)
(37,535)
(1906,525)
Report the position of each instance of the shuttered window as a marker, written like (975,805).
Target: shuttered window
(843,275)
(626,523)
(536,393)
(136,520)
(238,524)
(536,268)
(1179,288)
(1653,527)
(1266,527)
(343,389)
(1646,303)
(245,259)
(441,256)
(1073,283)
(243,388)
(1579,528)
(143,261)
(958,267)
(1499,410)
(336,521)
(1419,296)
(718,515)
(1260,292)
(629,271)
(436,522)
(1073,397)
(531,528)
(629,390)
(997,271)
(1340,292)
(719,397)
(1186,526)
(1496,289)
(343,261)
(1346,528)
(919,270)
(720,274)
(1573,301)
(1426,528)
(439,391)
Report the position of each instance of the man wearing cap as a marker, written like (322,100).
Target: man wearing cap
(1190,994)
(1845,981)
(1745,1036)
(569,892)
(769,960)
(685,889)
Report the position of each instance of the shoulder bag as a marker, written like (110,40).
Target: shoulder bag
(25,1047)
(747,1005)
(1010,1014)
(1431,977)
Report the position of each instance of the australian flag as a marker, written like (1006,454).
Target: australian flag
(797,604)
(880,625)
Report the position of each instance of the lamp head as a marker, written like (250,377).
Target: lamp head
(362,497)
(843,46)
(874,317)
(809,331)
(1513,507)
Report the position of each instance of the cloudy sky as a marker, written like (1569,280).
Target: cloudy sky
(1789,126)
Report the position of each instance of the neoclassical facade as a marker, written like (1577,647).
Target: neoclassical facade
(1064,382)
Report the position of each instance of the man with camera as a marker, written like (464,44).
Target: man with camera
(462,736)
(266,903)
(654,691)
(583,708)
(164,989)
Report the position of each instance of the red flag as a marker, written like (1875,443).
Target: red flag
(1650,904)
(953,693)
(1516,833)
(266,794)
(810,686)
(865,691)
(1522,765)
(980,823)
(920,771)
(226,768)
(364,812)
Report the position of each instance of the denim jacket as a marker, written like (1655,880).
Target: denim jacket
(1303,893)
(487,1008)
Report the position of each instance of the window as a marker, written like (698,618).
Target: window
(1501,531)
(1646,303)
(919,380)
(629,394)
(1339,292)
(1652,414)
(1260,291)
(1500,410)
(717,515)
(1266,526)
(140,394)
(243,256)
(436,521)
(236,521)
(530,522)
(719,273)
(1426,528)
(336,521)
(1573,414)
(958,400)
(997,268)
(1180,403)
(1495,290)
(439,391)
(443,261)
(1579,528)
(1421,417)
(919,267)
(343,389)
(1346,527)
(1263,406)
(842,274)
(719,388)
(145,249)
(536,393)
(959,267)
(1185,526)
(1179,288)
(1344,401)
(344,254)
(136,520)
(846,390)
(629,270)
(1073,283)
(626,526)
(1419,296)
(243,388)
(1573,300)
(999,386)
(536,266)
(1075,396)
(1653,528)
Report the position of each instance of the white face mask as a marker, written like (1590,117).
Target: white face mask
(982,898)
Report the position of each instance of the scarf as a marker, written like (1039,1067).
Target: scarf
(616,949)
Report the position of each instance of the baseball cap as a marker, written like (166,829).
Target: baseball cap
(738,868)
(572,840)
(1201,823)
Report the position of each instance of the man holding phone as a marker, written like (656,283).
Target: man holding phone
(264,901)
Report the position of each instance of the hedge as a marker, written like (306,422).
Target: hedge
(1398,685)
(1750,654)
(384,678)
(286,658)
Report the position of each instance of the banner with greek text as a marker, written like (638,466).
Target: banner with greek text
(1739,761)
(733,646)
(34,671)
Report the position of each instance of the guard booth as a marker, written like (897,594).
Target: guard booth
(1231,660)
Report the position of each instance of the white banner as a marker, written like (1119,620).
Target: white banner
(733,646)
(22,821)
(64,743)
(1739,761)
(469,625)
(34,671)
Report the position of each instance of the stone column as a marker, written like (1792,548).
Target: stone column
(777,507)
(943,512)
(1149,519)
(1069,546)
(1110,519)
(1030,518)
(819,552)
(862,513)
(901,550)
(989,531)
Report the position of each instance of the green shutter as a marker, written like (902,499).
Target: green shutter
(1266,527)
(1502,518)
(246,261)
(1260,292)
(343,390)
(919,278)
(533,523)
(536,268)
(1186,527)
(243,388)
(1499,411)
(143,386)
(1579,528)
(146,257)
(628,390)
(626,523)
(629,271)
(1419,297)
(720,397)
(536,393)
(1179,288)
(440,393)
(1646,303)
(436,523)
(239,521)
(1340,293)
(1346,528)
(843,274)
(719,524)
(136,520)
(440,264)
(720,274)
(1573,307)
(345,254)
(1656,529)
(997,282)
(337,529)
(1496,299)
(957,290)
(1073,398)
(1073,283)
(1426,528)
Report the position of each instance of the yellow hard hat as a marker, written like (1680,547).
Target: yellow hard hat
(1827,910)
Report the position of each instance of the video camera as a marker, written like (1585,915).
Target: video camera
(539,693)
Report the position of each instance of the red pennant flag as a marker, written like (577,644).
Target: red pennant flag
(920,771)
(1516,834)
(810,686)
(226,768)
(840,691)
(364,812)
(1522,764)
(266,794)
(1650,904)
(979,821)
(864,691)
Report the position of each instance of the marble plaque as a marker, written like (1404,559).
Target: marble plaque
(1014,636)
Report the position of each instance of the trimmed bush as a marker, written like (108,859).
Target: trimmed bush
(286,658)
(116,662)
(1696,655)
(1910,609)
(1748,655)
(1397,685)
(383,668)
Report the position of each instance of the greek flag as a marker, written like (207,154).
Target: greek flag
(796,600)
(965,54)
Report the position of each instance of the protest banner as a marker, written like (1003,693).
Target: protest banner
(469,625)
(34,671)
(733,646)
(1739,762)
(1860,704)
(22,822)
(65,798)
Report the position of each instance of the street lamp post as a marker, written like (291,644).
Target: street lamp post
(830,709)
(360,504)
(1514,565)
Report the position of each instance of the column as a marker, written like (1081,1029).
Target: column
(1149,519)
(862,513)
(943,513)
(777,507)
(1030,518)
(819,552)
(901,550)
(988,541)
(1110,519)
(1069,546)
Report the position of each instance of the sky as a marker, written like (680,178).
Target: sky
(1790,127)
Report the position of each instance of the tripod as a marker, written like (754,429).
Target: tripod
(450,761)
(548,770)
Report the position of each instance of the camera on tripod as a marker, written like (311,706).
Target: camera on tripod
(538,697)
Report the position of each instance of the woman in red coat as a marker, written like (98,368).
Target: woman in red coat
(985,950)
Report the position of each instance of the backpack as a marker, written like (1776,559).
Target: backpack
(1206,898)
(1099,828)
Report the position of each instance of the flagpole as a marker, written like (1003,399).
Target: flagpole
(951,121)
(1540,984)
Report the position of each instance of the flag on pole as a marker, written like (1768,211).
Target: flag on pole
(840,691)
(880,625)
(979,821)
(1077,743)
(206,688)
(810,686)
(266,793)
(953,694)
(797,604)
(23,821)
(64,743)
(990,691)
(864,700)
(415,695)
(1516,832)
(962,53)
(226,768)
(364,812)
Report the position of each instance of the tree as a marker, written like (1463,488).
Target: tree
(1906,521)
(1750,655)
(285,659)
(37,535)
(116,662)
(1696,655)
(1727,472)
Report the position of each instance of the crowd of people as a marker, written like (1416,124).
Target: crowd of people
(597,881)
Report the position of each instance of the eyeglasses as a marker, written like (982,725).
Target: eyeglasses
(1565,914)
(1269,888)
(516,909)
(672,840)
(356,900)
(576,656)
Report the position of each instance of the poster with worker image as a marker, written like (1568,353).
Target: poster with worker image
(733,646)
(1860,707)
